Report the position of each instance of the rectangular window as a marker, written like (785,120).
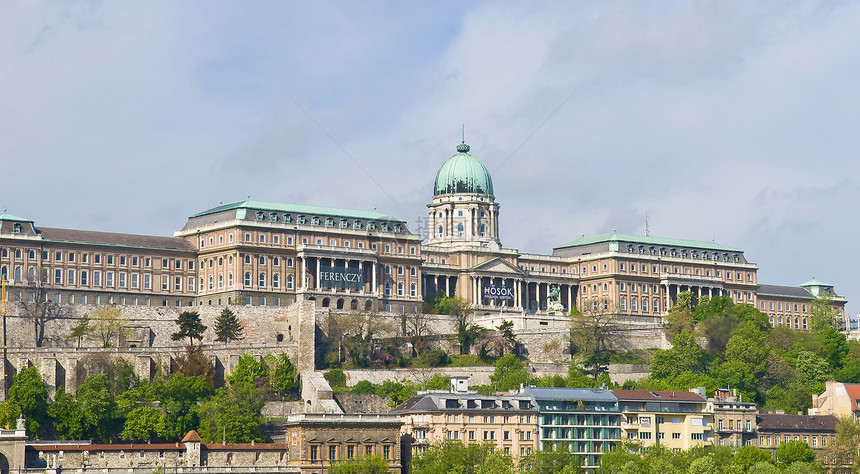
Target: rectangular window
(121,277)
(58,277)
(71,256)
(84,278)
(276,239)
(247,236)
(135,261)
(71,277)
(110,259)
(58,256)
(135,280)
(191,282)
(164,283)
(332,452)
(147,282)
(109,279)
(147,262)
(178,284)
(122,260)
(314,453)
(97,278)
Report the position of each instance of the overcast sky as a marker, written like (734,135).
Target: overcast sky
(736,122)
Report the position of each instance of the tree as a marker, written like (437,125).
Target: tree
(80,330)
(455,457)
(510,373)
(418,327)
(282,374)
(67,415)
(843,451)
(142,424)
(822,313)
(233,415)
(29,397)
(748,457)
(551,462)
(190,326)
(362,465)
(794,451)
(460,309)
(227,327)
(356,331)
(108,325)
(194,362)
(506,329)
(179,396)
(592,333)
(98,406)
(249,370)
(685,355)
(40,308)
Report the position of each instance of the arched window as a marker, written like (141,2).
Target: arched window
(247,278)
(388,269)
(796,323)
(481,230)
(440,231)
(31,274)
(400,289)
(413,292)
(17,273)
(594,306)
(248,259)
(644,305)
(262,260)
(262,279)
(623,304)
(605,305)
(289,262)
(780,320)
(460,230)
(276,281)
(210,282)
(220,262)
(220,280)
(399,270)
(387,288)
(4,272)
(276,261)
(289,282)
(31,254)
(632,304)
(230,279)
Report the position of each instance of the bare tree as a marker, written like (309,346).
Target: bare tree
(108,325)
(38,307)
(593,333)
(418,328)
(358,331)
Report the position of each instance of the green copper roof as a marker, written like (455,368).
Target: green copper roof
(298,209)
(10,218)
(463,173)
(813,282)
(647,240)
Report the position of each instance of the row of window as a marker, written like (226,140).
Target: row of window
(488,435)
(97,259)
(813,441)
(276,240)
(798,322)
(683,253)
(351,451)
(93,278)
(343,223)
(802,307)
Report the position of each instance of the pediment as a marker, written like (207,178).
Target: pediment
(497,265)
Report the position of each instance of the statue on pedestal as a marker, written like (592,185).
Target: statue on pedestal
(553,302)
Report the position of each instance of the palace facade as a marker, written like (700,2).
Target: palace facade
(272,254)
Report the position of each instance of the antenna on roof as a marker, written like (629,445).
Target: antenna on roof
(249,195)
(647,229)
(463,132)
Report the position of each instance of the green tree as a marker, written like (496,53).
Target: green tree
(190,326)
(28,396)
(551,462)
(794,451)
(179,396)
(67,415)
(685,355)
(80,330)
(467,333)
(249,370)
(227,327)
(282,374)
(98,406)
(362,465)
(142,424)
(233,414)
(704,465)
(510,373)
(455,457)
(843,451)
(822,313)
(108,325)
(748,457)
(813,370)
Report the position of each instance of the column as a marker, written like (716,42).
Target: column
(570,297)
(361,272)
(448,286)
(668,298)
(373,287)
(304,285)
(317,282)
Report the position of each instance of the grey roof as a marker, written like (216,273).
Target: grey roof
(780,290)
(113,239)
(435,401)
(299,209)
(648,240)
(562,394)
(779,422)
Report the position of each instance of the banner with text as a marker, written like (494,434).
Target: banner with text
(499,293)
(341,277)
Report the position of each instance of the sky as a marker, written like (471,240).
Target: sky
(728,121)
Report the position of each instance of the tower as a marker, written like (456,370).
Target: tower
(464,210)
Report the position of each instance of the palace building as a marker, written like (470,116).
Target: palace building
(272,254)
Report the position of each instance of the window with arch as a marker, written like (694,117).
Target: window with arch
(247,278)
(594,306)
(220,280)
(210,282)
(796,323)
(412,271)
(387,288)
(262,260)
(31,254)
(388,269)
(413,292)
(623,303)
(248,259)
(481,230)
(605,287)
(632,304)
(440,231)
(220,261)
(644,305)
(276,281)
(780,320)
(289,282)
(18,273)
(400,289)
(399,270)
(230,279)
(460,230)
(276,261)
(262,279)
(605,305)
(289,262)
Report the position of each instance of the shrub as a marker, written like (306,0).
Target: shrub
(336,378)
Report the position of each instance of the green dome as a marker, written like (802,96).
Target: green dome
(463,173)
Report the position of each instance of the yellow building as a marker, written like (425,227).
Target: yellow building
(676,420)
